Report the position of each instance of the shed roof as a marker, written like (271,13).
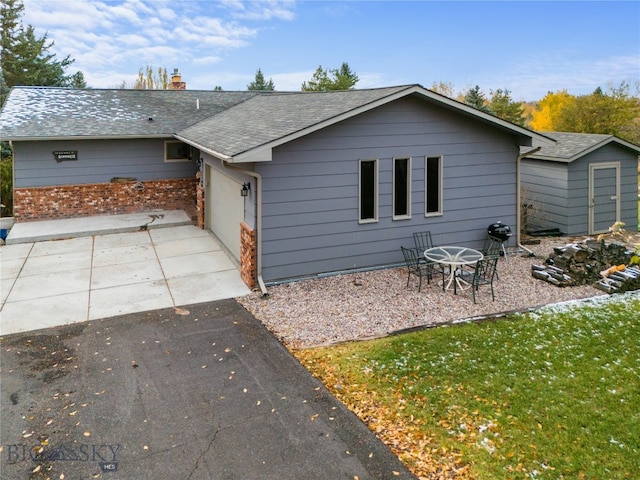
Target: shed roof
(572,146)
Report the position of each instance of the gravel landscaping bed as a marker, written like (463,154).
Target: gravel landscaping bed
(372,304)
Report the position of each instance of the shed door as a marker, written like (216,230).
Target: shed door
(604,195)
(224,209)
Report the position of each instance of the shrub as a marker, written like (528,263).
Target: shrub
(6,187)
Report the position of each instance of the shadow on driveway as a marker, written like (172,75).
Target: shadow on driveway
(201,392)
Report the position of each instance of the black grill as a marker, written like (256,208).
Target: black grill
(499,231)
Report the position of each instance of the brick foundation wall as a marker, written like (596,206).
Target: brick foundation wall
(68,201)
(248,255)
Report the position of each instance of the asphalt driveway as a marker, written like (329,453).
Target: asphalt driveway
(198,392)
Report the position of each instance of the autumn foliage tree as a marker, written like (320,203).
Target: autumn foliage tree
(150,79)
(548,110)
(615,112)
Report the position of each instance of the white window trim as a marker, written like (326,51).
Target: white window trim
(440,185)
(166,150)
(393,206)
(375,191)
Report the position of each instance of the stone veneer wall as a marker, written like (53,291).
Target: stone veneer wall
(248,255)
(200,205)
(68,201)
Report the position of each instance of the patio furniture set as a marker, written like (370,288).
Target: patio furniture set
(460,267)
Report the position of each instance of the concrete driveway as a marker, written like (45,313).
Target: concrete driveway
(59,282)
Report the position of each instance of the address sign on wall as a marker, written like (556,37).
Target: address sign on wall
(65,155)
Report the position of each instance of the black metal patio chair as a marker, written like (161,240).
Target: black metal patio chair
(422,241)
(483,274)
(493,247)
(415,267)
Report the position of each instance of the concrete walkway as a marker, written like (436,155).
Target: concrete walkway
(93,274)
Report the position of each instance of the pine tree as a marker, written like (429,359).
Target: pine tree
(476,99)
(502,106)
(340,79)
(260,84)
(25,57)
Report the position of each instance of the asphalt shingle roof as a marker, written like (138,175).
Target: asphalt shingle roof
(266,118)
(227,123)
(45,112)
(571,146)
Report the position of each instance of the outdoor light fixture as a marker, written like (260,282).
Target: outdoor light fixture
(245,189)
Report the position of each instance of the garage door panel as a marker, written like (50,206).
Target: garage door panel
(225,209)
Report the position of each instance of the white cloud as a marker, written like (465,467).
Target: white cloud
(261,9)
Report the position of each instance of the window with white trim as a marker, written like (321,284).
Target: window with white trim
(401,188)
(176,151)
(368,191)
(432,186)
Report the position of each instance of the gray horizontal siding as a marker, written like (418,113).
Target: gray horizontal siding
(561,190)
(545,185)
(310,196)
(98,162)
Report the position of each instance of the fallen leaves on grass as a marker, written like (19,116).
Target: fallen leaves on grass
(420,452)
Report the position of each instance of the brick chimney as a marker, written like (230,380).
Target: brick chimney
(176,81)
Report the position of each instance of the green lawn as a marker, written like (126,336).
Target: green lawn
(546,395)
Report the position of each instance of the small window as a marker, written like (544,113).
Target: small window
(401,188)
(433,186)
(368,191)
(175,151)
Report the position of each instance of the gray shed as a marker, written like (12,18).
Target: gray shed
(582,185)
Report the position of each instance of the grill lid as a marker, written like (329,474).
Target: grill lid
(500,231)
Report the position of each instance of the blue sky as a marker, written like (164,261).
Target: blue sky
(527,47)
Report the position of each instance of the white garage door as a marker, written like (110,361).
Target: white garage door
(224,209)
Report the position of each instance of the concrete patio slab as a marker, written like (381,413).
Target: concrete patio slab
(78,278)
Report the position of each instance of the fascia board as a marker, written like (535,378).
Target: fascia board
(202,148)
(81,137)
(550,158)
(255,155)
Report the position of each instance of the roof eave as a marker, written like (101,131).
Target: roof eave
(204,148)
(83,137)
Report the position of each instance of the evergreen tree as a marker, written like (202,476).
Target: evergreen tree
(260,84)
(336,79)
(502,106)
(476,99)
(25,58)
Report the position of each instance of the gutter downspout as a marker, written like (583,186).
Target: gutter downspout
(258,178)
(518,200)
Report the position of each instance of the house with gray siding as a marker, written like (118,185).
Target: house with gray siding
(294,184)
(583,184)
